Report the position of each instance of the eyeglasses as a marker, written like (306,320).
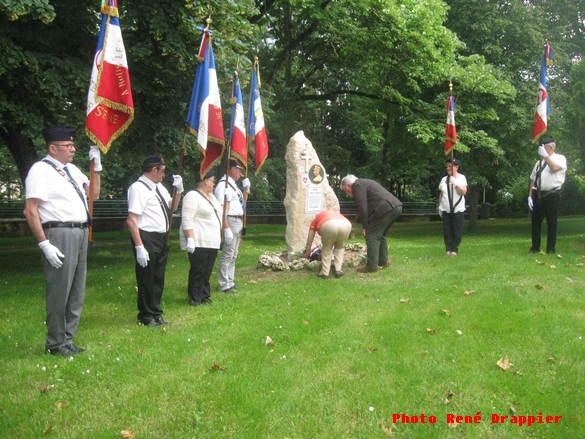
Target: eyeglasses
(66,145)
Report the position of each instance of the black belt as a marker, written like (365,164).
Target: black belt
(544,193)
(236,216)
(57,224)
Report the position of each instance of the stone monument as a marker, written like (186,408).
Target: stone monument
(307,191)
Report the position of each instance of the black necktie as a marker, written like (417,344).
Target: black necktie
(74,184)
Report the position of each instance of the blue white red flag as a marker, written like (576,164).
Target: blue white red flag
(450,128)
(257,140)
(542,111)
(110,108)
(237,124)
(204,116)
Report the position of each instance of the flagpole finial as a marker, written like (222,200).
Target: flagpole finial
(450,87)
(208,20)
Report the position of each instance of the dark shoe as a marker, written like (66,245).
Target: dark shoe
(386,264)
(62,351)
(229,291)
(74,349)
(208,301)
(531,252)
(235,288)
(550,252)
(160,321)
(367,269)
(151,323)
(338,274)
(322,276)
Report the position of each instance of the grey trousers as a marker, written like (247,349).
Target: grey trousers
(227,262)
(65,289)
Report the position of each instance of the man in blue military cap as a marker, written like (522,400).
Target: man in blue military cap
(57,213)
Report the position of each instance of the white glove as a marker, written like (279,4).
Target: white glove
(440,213)
(228,236)
(190,245)
(141,256)
(246,184)
(178,183)
(530,203)
(52,254)
(96,156)
(542,152)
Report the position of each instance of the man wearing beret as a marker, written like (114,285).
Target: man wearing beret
(150,207)
(544,194)
(57,213)
(233,223)
(377,210)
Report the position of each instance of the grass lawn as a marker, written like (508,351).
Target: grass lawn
(348,355)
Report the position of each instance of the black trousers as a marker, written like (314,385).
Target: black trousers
(545,207)
(151,279)
(202,261)
(453,230)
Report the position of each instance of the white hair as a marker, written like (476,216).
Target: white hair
(348,180)
(553,145)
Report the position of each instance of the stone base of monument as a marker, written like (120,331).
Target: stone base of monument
(355,255)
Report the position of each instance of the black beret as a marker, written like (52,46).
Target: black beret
(205,177)
(455,161)
(234,164)
(547,140)
(153,160)
(56,134)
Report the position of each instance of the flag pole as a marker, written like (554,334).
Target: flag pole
(90,204)
(452,149)
(175,193)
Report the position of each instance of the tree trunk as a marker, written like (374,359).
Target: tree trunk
(22,149)
(472,198)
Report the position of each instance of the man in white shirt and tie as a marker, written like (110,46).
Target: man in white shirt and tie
(57,213)
(233,223)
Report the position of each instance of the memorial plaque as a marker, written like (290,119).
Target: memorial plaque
(314,200)
(316,174)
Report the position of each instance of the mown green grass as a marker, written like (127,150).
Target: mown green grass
(347,353)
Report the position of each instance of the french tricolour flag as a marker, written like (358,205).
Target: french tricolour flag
(237,125)
(450,128)
(204,116)
(542,111)
(110,108)
(257,141)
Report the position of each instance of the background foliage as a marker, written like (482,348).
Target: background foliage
(365,80)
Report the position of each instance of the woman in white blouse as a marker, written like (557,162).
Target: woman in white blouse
(200,235)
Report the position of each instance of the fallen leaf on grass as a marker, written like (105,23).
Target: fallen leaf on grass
(449,396)
(431,331)
(504,363)
(512,409)
(205,341)
(404,300)
(559,256)
(570,280)
(539,287)
(452,424)
(61,404)
(579,265)
(446,311)
(583,257)
(370,350)
(217,367)
(253,282)
(128,434)
(305,322)
(468,292)
(540,262)
(553,266)
(550,360)
(43,388)
(386,429)
(268,341)
(48,429)
(516,371)
(455,286)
